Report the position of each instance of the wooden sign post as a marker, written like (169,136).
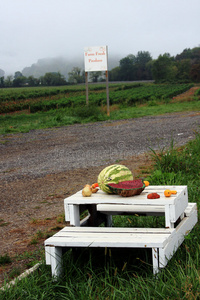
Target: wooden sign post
(86,86)
(96,59)
(107,94)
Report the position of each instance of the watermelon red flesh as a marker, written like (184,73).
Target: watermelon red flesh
(128,185)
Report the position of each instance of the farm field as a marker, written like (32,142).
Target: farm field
(42,167)
(25,109)
(44,99)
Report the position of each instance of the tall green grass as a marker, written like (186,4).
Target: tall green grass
(127,273)
(69,116)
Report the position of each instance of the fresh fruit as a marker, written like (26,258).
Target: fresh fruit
(94,190)
(174,192)
(95,185)
(87,191)
(127,188)
(167,193)
(146,183)
(113,174)
(153,196)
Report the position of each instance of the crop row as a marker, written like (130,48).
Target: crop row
(127,96)
(197,92)
(18,94)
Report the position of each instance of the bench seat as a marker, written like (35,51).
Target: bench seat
(163,241)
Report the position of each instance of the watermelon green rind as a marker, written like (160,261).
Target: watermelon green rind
(113,174)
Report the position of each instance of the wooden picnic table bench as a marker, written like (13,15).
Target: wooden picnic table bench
(163,241)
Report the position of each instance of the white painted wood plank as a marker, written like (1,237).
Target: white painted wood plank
(48,255)
(190,208)
(168,222)
(180,204)
(74,215)
(182,229)
(67,212)
(130,208)
(56,260)
(84,221)
(113,237)
(116,230)
(101,197)
(155,260)
(124,241)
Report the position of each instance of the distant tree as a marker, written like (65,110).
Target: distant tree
(186,54)
(76,75)
(8,81)
(164,68)
(32,81)
(2,73)
(17,74)
(143,71)
(2,84)
(133,67)
(53,79)
(183,69)
(195,72)
(192,54)
(127,71)
(94,76)
(19,81)
(114,74)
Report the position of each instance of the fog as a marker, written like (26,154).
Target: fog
(33,30)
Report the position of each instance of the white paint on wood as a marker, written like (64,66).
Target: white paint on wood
(106,208)
(100,197)
(173,206)
(182,230)
(163,241)
(74,215)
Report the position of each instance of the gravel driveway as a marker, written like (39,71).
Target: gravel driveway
(51,151)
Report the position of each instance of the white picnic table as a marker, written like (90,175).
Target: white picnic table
(172,207)
(180,218)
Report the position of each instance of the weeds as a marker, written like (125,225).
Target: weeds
(5,259)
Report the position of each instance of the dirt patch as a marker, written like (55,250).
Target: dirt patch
(41,168)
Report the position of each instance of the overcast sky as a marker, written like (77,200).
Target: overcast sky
(35,29)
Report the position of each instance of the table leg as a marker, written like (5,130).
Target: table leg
(74,215)
(56,261)
(168,223)
(109,221)
(155,260)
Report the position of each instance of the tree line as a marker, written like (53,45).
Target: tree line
(183,68)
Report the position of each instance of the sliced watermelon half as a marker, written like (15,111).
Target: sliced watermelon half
(127,188)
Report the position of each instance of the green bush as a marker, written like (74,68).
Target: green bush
(87,111)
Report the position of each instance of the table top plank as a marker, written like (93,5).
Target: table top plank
(103,198)
(116,230)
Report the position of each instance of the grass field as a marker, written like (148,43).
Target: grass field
(65,106)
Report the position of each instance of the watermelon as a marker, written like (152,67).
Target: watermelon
(127,188)
(113,174)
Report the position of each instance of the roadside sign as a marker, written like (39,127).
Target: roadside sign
(96,58)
